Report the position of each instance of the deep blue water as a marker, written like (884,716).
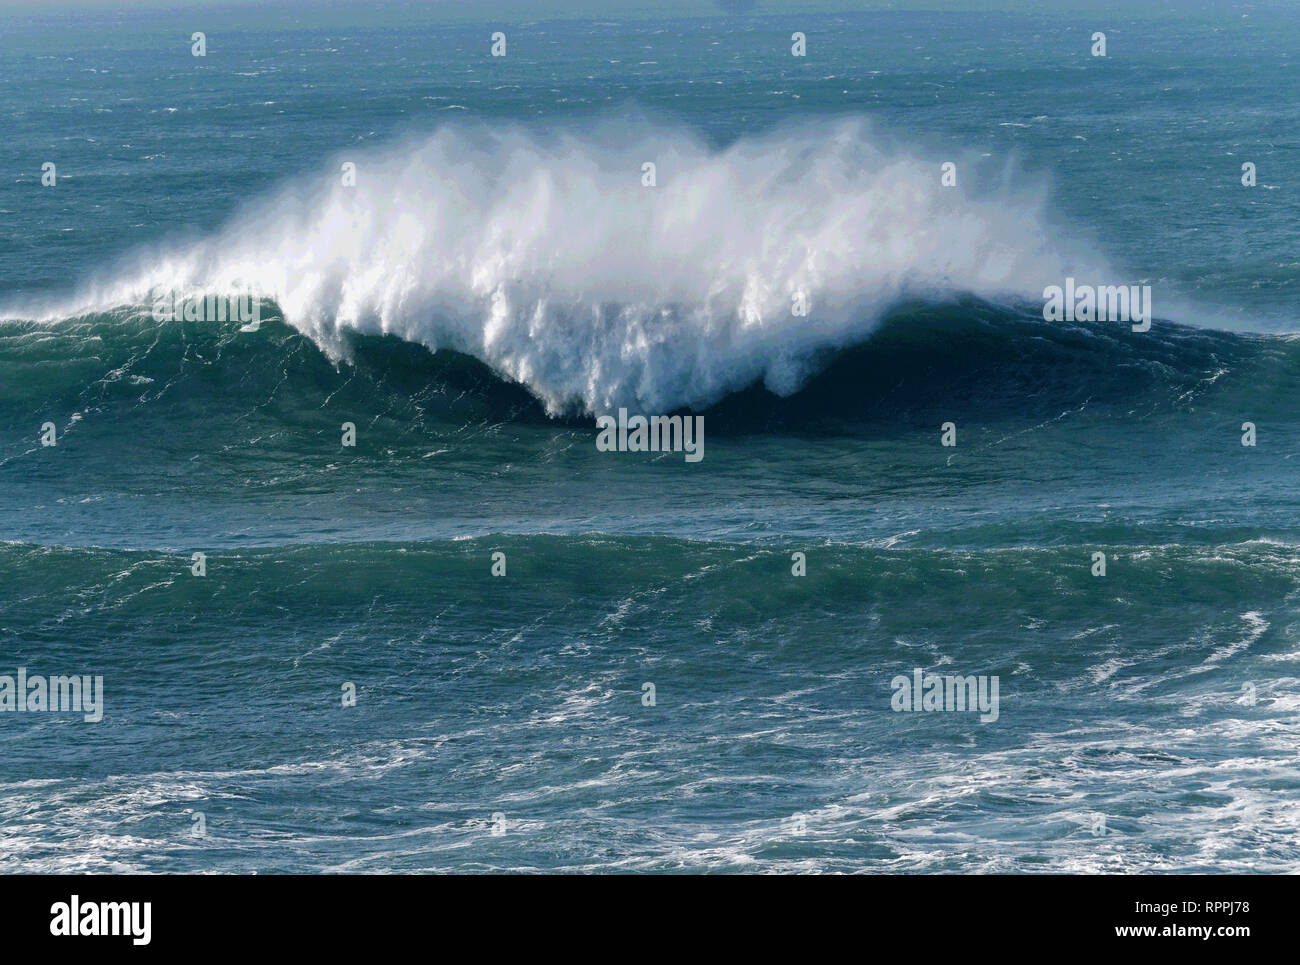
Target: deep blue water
(497,277)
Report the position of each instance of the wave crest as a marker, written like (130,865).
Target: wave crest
(546,257)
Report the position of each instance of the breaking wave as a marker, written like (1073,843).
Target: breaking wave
(545,256)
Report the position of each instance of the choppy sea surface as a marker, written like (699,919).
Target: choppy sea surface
(497,276)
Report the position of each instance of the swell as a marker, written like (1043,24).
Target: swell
(923,360)
(549,257)
(1036,596)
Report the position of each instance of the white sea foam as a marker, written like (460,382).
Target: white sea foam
(545,256)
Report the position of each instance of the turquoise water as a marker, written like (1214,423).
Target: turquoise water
(497,277)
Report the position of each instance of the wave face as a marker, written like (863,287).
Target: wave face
(922,362)
(199,421)
(546,257)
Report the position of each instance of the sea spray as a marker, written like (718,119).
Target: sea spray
(547,257)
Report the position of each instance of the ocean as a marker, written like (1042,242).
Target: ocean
(363,593)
